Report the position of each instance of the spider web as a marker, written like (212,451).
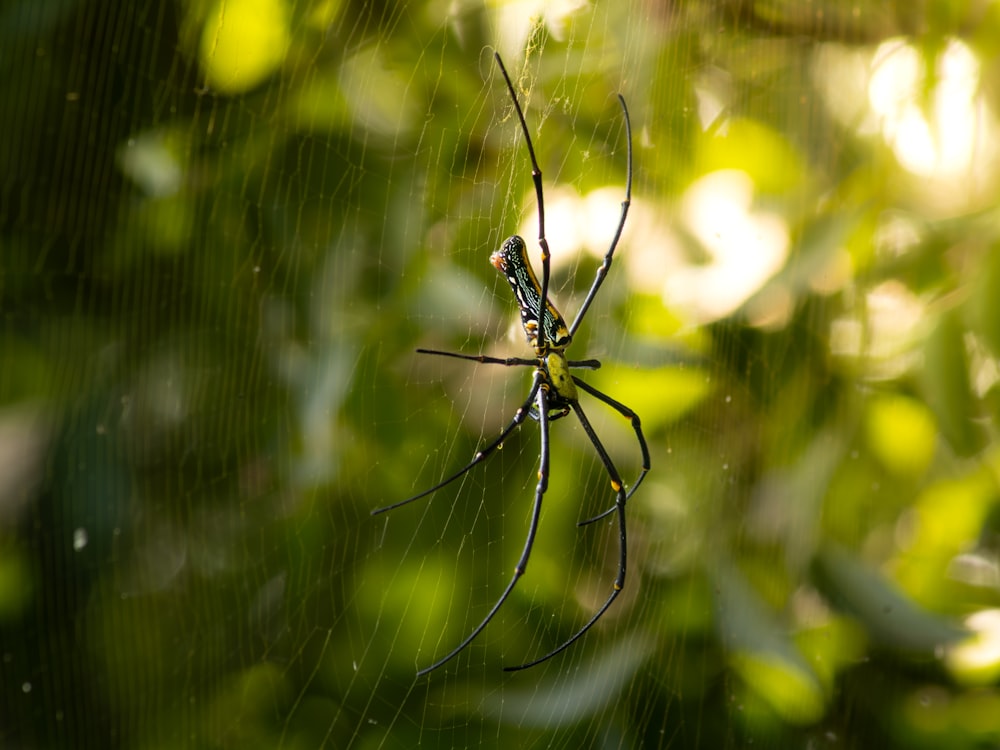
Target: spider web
(225,226)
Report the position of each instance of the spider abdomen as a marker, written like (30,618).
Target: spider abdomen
(512,261)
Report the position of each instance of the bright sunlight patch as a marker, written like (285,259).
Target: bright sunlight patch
(243,43)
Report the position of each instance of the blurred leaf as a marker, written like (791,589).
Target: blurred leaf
(748,145)
(318,105)
(568,697)
(946,519)
(658,395)
(945,379)
(252,701)
(790,500)
(15,582)
(416,606)
(833,646)
(901,433)
(892,619)
(985,302)
(243,43)
(820,262)
(975,660)
(761,651)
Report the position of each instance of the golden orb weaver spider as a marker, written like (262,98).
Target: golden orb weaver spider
(554,389)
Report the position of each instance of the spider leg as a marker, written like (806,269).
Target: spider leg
(620,499)
(633,418)
(485,359)
(536,178)
(603,514)
(602,272)
(522,563)
(519,416)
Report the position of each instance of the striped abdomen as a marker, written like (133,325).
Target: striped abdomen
(512,261)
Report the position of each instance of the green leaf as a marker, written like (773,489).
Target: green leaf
(762,653)
(891,619)
(946,384)
(985,302)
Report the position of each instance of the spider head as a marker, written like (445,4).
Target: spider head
(504,259)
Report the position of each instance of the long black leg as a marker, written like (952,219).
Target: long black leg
(536,178)
(484,358)
(636,423)
(620,498)
(536,511)
(583,364)
(602,272)
(519,416)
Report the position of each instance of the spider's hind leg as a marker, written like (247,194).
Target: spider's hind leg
(537,392)
(481,455)
(620,499)
(636,423)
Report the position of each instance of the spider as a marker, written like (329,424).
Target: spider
(554,391)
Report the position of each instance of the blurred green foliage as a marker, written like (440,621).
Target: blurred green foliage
(225,226)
